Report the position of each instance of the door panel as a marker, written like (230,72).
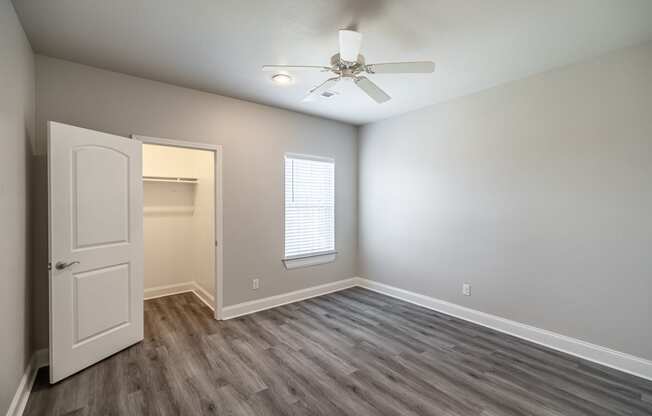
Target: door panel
(96,303)
(100,196)
(101,301)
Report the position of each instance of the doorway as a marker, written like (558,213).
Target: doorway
(182,215)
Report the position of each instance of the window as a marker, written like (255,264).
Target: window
(309,210)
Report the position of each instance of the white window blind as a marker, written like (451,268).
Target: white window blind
(309,206)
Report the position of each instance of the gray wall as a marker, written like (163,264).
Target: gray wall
(255,137)
(538,193)
(16,131)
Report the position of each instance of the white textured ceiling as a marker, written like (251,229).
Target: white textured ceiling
(220,45)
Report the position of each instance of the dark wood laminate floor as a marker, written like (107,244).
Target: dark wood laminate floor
(353,352)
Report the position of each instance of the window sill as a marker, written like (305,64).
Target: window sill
(309,261)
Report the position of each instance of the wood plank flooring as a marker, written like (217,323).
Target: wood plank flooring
(354,352)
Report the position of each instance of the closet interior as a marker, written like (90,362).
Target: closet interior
(179,221)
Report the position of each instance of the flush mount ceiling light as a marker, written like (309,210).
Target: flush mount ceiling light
(282,79)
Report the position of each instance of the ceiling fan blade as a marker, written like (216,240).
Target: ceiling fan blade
(295,68)
(425,67)
(372,90)
(350,42)
(324,86)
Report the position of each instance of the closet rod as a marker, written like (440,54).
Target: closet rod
(169,179)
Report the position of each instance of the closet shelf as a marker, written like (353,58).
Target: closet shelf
(168,179)
(168,210)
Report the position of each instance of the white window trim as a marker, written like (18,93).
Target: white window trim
(307,261)
(310,259)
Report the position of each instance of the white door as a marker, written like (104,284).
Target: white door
(96,246)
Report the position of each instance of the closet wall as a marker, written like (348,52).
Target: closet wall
(204,224)
(178,196)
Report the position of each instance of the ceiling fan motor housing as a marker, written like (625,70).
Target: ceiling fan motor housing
(347,69)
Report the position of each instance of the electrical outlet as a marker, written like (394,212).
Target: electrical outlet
(255,284)
(466,289)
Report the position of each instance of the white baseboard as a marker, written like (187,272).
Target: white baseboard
(39,359)
(185,287)
(204,295)
(168,290)
(258,305)
(610,358)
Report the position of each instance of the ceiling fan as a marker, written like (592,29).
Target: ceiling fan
(349,64)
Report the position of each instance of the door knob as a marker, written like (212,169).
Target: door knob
(63,265)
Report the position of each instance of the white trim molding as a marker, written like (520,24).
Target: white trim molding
(175,143)
(185,287)
(258,305)
(307,261)
(17,407)
(169,290)
(627,363)
(204,295)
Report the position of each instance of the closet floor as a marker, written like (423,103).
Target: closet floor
(354,352)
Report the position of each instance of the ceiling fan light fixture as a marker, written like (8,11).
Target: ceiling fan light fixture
(282,79)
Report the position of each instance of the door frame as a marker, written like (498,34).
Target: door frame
(217,150)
